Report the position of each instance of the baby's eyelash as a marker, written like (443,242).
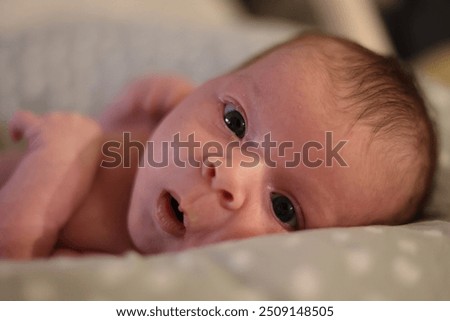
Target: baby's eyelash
(235,119)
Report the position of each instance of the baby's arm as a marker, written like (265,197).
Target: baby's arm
(143,103)
(8,163)
(49,182)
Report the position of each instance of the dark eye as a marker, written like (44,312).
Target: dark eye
(234,120)
(284,210)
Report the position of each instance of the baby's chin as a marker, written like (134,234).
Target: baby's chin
(134,226)
(142,232)
(140,241)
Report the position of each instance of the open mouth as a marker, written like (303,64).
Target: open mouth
(175,209)
(169,216)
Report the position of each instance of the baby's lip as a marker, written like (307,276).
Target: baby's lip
(175,206)
(167,217)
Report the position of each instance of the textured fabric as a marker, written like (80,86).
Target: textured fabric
(368,263)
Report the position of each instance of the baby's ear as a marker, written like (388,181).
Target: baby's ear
(21,125)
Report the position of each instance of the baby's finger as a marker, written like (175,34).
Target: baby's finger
(20,124)
(176,96)
(170,92)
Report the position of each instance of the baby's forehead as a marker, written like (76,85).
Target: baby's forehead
(294,79)
(313,48)
(300,62)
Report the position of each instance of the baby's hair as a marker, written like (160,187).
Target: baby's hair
(382,93)
(379,92)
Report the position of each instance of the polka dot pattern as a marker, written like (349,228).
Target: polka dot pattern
(383,263)
(408,246)
(306,282)
(359,261)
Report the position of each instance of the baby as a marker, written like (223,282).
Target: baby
(316,132)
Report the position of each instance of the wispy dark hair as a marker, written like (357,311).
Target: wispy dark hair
(382,92)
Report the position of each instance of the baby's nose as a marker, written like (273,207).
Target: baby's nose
(230,180)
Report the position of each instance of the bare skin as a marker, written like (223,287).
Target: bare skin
(62,159)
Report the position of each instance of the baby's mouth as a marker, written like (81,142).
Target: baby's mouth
(175,209)
(169,216)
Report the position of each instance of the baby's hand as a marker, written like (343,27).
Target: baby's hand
(48,185)
(63,135)
(144,102)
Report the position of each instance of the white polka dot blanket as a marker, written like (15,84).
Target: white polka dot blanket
(60,57)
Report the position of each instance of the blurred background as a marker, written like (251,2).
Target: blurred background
(413,25)
(416,30)
(77,55)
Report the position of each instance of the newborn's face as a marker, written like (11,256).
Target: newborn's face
(249,154)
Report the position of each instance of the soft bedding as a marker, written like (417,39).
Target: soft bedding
(77,56)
